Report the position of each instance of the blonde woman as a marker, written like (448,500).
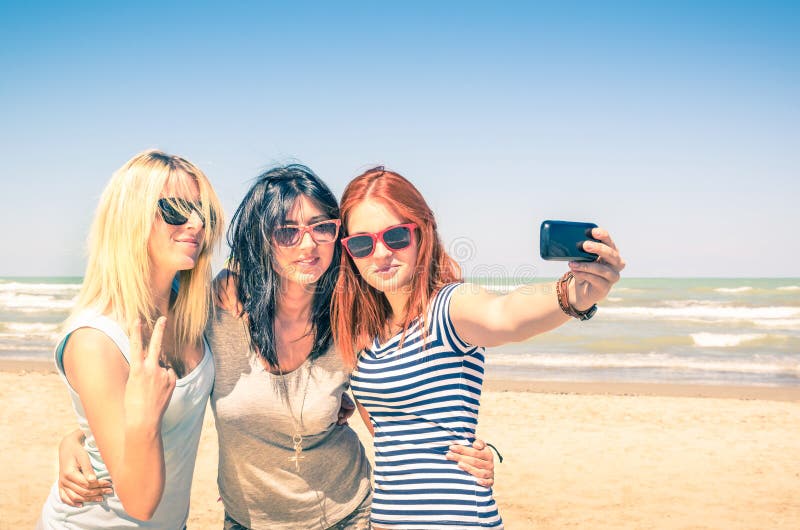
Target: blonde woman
(133,355)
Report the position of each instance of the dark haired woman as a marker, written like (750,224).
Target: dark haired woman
(284,461)
(416,336)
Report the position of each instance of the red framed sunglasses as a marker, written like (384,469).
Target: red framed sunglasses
(395,237)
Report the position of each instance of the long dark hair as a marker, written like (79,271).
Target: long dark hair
(258,286)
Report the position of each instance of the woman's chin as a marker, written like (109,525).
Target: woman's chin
(391,284)
(305,278)
(187,264)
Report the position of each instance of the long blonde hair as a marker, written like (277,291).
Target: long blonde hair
(117,278)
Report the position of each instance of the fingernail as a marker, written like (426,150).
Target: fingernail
(589,246)
(107,492)
(448,454)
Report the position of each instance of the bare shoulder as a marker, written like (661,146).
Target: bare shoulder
(89,341)
(225,292)
(470,293)
(91,355)
(473,308)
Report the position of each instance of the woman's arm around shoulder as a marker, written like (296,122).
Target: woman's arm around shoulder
(486,319)
(226,296)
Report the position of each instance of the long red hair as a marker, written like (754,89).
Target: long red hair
(359,312)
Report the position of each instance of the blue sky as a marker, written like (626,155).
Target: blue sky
(676,125)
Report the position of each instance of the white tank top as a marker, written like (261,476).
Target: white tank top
(180,432)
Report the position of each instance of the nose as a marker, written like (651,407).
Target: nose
(306,241)
(194,222)
(381,251)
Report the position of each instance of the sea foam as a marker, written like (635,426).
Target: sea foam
(742,289)
(722,340)
(706,312)
(29,327)
(28,302)
(15,287)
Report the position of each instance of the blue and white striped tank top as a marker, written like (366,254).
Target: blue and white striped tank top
(420,401)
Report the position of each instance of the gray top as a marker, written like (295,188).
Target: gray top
(260,487)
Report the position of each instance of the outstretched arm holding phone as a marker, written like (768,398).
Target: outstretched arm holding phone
(488,319)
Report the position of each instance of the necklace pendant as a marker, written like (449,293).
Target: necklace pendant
(298,449)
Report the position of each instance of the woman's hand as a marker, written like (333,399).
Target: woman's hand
(346,409)
(593,280)
(150,385)
(77,482)
(477,460)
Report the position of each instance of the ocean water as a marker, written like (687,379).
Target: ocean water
(672,330)
(31,313)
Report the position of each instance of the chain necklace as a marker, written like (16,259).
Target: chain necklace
(297,437)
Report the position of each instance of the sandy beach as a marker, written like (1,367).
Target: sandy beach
(575,455)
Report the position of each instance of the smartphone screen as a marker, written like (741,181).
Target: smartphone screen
(563,240)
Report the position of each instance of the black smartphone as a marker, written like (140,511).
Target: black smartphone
(563,240)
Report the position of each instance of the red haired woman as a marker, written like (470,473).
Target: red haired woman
(416,336)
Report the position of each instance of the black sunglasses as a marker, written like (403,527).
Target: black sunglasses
(173,210)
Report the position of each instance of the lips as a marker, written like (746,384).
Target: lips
(307,262)
(386,270)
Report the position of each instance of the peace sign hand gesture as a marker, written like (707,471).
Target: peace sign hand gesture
(150,385)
